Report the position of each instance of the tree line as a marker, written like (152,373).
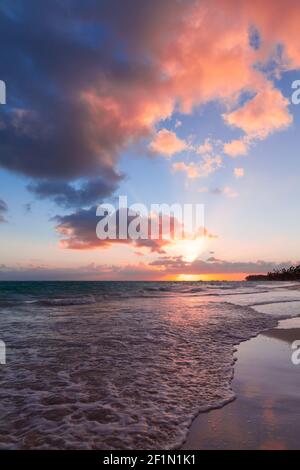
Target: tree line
(284,274)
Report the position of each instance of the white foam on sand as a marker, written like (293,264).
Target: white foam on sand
(278,302)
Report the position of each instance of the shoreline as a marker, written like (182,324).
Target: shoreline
(265,413)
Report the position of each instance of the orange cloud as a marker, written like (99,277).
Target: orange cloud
(199,170)
(239,172)
(278,22)
(264,114)
(235,148)
(167,143)
(206,147)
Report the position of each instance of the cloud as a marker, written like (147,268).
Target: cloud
(276,22)
(227,191)
(65,194)
(167,143)
(206,147)
(236,147)
(27,207)
(262,115)
(159,269)
(92,271)
(239,172)
(203,169)
(177,265)
(88,79)
(3,210)
(74,103)
(78,231)
(212,259)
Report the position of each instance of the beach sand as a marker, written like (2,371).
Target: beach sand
(266,412)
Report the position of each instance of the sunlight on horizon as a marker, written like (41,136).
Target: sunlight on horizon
(189,249)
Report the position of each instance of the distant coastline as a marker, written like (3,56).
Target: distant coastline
(290,274)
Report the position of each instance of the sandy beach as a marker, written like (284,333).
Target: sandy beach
(266,412)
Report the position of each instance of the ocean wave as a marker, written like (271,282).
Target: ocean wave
(52,302)
(61,302)
(123,375)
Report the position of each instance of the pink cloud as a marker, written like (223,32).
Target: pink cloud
(239,172)
(202,169)
(278,22)
(264,114)
(167,143)
(206,147)
(236,148)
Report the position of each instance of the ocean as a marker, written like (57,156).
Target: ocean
(123,365)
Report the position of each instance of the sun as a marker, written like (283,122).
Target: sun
(189,249)
(189,277)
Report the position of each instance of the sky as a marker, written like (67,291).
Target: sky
(164,101)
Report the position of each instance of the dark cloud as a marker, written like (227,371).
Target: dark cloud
(65,194)
(76,97)
(212,259)
(177,265)
(27,207)
(33,272)
(3,210)
(217,191)
(92,271)
(78,232)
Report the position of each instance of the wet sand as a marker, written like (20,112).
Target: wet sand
(266,412)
